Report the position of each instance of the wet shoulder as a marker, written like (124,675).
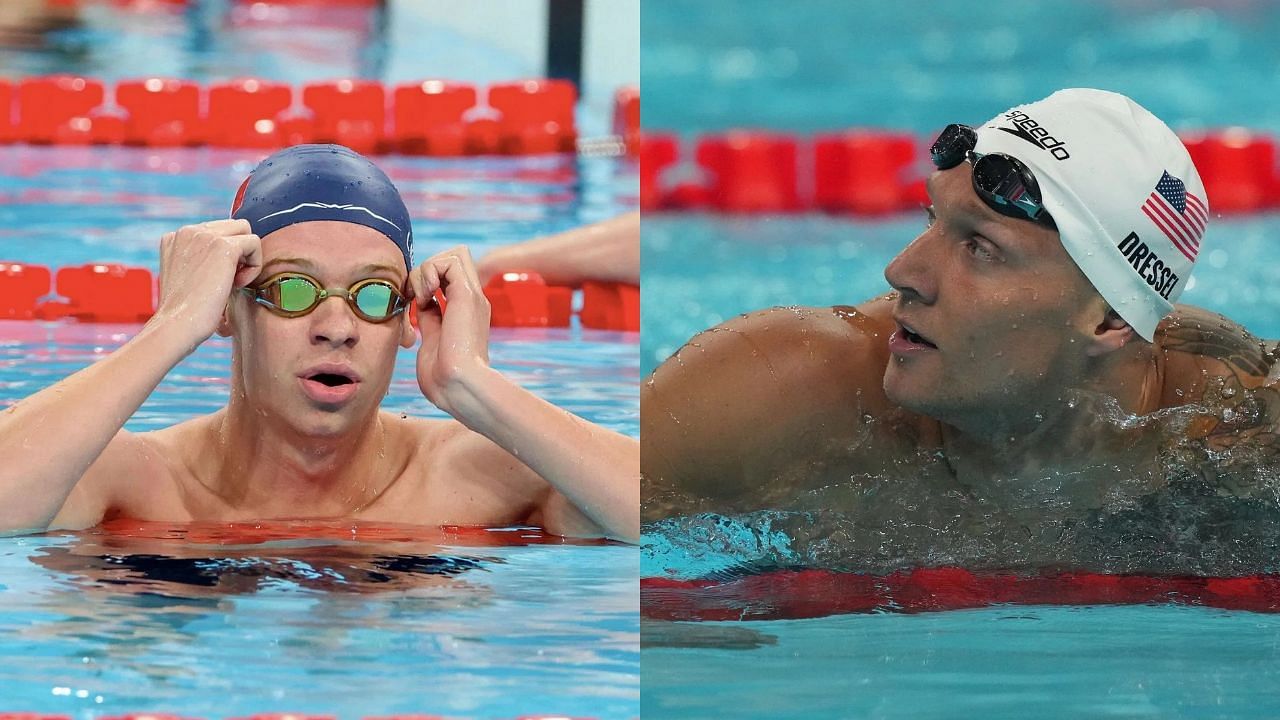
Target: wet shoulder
(1231,375)
(442,457)
(1206,354)
(168,461)
(821,354)
(766,405)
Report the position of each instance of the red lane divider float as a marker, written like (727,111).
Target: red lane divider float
(611,306)
(526,300)
(244,113)
(537,116)
(112,293)
(866,172)
(428,118)
(792,594)
(347,112)
(751,171)
(626,118)
(57,109)
(21,287)
(431,117)
(873,172)
(161,112)
(8,130)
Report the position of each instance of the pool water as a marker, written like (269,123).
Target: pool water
(344,621)
(218,621)
(221,621)
(997,663)
(755,262)
(832,65)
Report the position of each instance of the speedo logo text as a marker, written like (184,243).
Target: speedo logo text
(1031,131)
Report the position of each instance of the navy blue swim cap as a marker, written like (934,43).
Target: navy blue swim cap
(323,182)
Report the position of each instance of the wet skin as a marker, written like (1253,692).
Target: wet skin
(281,449)
(1028,406)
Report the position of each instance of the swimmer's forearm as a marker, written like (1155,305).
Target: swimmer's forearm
(607,251)
(51,438)
(596,469)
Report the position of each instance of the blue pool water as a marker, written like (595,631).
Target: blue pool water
(97,623)
(211,621)
(830,65)
(236,626)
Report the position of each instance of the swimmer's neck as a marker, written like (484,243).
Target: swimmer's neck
(1060,432)
(269,470)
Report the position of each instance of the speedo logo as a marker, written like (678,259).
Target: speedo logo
(1030,130)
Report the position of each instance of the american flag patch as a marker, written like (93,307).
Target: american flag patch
(1180,215)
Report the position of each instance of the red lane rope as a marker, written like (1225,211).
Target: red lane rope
(113,293)
(794,594)
(874,172)
(428,117)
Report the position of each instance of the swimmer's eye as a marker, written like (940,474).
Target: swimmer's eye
(981,248)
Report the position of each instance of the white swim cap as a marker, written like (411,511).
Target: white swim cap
(1126,198)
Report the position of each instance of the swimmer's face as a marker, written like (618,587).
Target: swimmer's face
(274,355)
(1009,312)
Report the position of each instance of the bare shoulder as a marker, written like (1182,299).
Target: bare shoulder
(1216,363)
(1202,350)
(453,459)
(132,468)
(753,399)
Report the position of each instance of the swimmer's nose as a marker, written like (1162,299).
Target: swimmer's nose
(911,272)
(334,323)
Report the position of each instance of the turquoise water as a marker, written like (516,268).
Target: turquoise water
(327,619)
(210,622)
(701,270)
(252,630)
(996,664)
(829,65)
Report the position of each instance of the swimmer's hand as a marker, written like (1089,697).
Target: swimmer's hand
(455,349)
(199,267)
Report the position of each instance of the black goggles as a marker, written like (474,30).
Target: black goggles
(1003,182)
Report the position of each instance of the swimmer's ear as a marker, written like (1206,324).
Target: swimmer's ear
(408,336)
(1111,334)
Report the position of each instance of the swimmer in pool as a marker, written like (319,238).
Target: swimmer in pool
(1029,362)
(312,278)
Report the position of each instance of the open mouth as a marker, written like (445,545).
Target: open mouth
(916,338)
(331,379)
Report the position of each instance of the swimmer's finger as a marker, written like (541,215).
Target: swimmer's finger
(454,280)
(465,263)
(228,226)
(249,263)
(430,282)
(430,323)
(418,292)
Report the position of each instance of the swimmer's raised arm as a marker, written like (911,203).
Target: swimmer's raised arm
(594,473)
(607,251)
(722,420)
(63,446)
